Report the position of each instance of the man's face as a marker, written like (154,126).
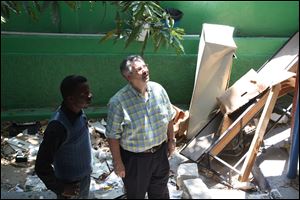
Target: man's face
(140,74)
(83,97)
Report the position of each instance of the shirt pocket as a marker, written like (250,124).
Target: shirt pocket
(160,114)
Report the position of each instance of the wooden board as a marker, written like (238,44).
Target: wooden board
(259,133)
(241,92)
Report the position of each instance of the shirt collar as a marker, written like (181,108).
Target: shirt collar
(149,90)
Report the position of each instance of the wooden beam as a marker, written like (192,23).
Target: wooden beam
(259,133)
(226,122)
(287,86)
(296,91)
(237,125)
(226,164)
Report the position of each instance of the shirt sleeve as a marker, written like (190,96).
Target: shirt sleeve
(115,118)
(54,135)
(168,104)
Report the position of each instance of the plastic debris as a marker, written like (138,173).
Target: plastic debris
(34,183)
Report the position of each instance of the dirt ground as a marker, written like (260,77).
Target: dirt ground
(12,176)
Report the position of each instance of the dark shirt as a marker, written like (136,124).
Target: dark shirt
(54,135)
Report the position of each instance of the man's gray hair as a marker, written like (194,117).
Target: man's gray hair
(127,63)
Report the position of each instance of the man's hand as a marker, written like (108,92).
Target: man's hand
(171,139)
(114,146)
(71,190)
(171,147)
(119,169)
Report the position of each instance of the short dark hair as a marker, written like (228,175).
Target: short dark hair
(70,84)
(126,64)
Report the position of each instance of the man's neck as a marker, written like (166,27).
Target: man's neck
(73,109)
(141,89)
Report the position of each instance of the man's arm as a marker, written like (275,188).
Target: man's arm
(171,138)
(54,136)
(114,146)
(171,135)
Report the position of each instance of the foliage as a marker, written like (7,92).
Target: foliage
(145,15)
(132,18)
(33,7)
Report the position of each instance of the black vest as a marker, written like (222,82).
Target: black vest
(73,161)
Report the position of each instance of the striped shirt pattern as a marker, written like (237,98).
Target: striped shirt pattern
(140,123)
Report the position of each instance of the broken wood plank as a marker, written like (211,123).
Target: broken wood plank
(280,67)
(288,86)
(226,122)
(248,87)
(241,92)
(259,132)
(237,125)
(243,119)
(275,77)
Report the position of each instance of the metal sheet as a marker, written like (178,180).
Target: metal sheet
(197,146)
(284,59)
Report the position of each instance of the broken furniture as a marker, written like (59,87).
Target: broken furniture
(277,79)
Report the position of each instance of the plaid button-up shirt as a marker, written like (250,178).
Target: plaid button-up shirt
(140,123)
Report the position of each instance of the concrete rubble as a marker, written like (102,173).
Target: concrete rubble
(104,185)
(187,179)
(186,171)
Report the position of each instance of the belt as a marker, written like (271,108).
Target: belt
(153,149)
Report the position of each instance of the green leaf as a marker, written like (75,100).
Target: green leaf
(4,14)
(139,15)
(133,35)
(158,42)
(9,5)
(108,35)
(148,10)
(155,6)
(178,46)
(129,20)
(144,44)
(125,5)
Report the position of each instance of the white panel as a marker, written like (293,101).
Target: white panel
(214,62)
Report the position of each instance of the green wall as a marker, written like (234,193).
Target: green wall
(32,66)
(250,18)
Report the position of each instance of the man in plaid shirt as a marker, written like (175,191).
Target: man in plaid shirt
(140,132)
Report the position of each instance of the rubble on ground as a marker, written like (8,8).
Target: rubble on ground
(21,181)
